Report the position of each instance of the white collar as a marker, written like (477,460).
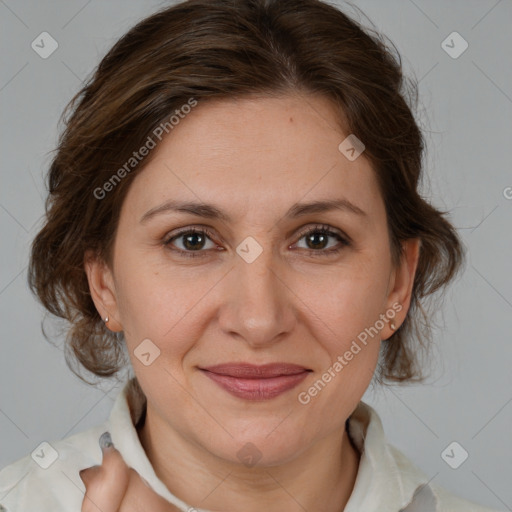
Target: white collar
(386,481)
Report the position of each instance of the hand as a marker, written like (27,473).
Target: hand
(114,487)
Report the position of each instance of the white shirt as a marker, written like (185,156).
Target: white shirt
(386,480)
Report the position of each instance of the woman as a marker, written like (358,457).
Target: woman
(234,206)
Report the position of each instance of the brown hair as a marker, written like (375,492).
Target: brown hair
(206,49)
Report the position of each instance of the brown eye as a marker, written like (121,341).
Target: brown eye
(192,241)
(317,240)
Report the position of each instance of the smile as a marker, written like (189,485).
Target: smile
(251,382)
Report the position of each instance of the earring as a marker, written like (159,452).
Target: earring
(106,319)
(393,327)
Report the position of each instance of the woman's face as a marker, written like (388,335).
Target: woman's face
(255,289)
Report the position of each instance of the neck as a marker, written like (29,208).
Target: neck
(205,481)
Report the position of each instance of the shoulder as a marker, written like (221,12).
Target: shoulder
(445,501)
(449,502)
(48,478)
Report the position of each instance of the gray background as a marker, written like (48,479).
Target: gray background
(466,107)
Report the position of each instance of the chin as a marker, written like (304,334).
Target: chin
(257,448)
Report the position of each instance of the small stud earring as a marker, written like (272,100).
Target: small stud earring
(106,319)
(393,327)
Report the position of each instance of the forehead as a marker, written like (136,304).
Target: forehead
(261,154)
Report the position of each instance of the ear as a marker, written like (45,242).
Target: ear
(102,289)
(401,285)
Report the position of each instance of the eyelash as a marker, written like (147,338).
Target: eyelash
(322,229)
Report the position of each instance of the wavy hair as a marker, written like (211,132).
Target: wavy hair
(214,49)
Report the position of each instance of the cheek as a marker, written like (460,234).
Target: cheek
(346,316)
(347,300)
(160,302)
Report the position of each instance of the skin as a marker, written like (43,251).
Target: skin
(253,158)
(114,487)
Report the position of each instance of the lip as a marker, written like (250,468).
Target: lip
(256,382)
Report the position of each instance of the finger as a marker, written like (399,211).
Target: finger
(89,473)
(106,485)
(114,487)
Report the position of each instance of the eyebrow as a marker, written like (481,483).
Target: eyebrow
(211,211)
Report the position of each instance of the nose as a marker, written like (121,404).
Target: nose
(259,308)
